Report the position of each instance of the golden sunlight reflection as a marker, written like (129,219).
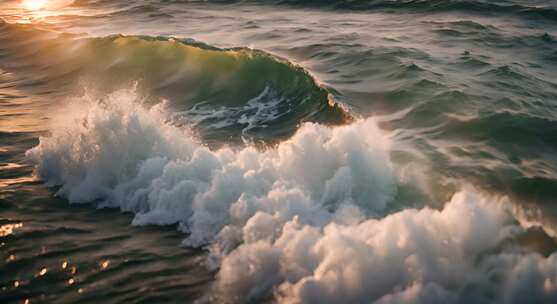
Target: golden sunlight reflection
(105,264)
(34,4)
(14,181)
(8,229)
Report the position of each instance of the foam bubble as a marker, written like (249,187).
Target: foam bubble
(118,152)
(304,221)
(451,255)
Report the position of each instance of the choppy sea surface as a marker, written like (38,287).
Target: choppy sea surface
(364,151)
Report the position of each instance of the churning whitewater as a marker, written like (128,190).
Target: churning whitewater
(305,221)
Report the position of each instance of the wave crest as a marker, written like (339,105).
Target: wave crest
(254,89)
(305,221)
(126,156)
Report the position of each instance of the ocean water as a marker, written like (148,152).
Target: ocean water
(364,151)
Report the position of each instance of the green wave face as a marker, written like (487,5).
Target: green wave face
(232,93)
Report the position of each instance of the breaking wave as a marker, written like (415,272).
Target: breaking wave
(305,221)
(253,88)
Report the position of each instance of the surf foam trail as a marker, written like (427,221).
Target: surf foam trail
(305,221)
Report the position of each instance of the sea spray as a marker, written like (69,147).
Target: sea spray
(298,220)
(128,156)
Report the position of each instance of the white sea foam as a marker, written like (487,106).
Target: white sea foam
(303,221)
(258,112)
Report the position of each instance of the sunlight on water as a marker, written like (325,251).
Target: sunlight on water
(8,229)
(105,264)
(35,4)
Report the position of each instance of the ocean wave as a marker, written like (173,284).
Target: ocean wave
(305,221)
(518,8)
(186,73)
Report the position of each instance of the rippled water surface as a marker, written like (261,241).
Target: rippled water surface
(282,151)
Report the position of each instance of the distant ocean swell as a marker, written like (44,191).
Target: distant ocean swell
(545,10)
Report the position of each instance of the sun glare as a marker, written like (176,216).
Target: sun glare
(34,4)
